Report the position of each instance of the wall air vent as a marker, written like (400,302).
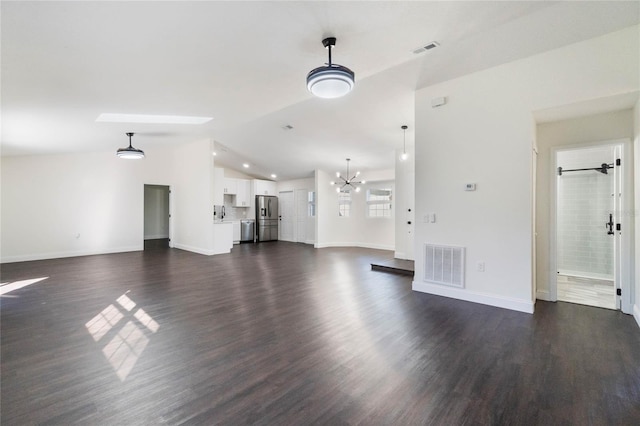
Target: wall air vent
(426,47)
(444,265)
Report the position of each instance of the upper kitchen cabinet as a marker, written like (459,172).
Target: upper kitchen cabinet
(243,194)
(264,187)
(230,186)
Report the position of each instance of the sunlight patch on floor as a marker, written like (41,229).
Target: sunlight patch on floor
(130,339)
(15,285)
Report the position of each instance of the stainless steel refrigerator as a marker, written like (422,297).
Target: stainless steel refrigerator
(266,218)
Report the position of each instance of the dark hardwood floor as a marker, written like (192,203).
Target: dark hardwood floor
(284,334)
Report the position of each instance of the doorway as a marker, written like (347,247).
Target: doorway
(156,217)
(589,253)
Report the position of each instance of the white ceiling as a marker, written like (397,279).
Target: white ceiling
(245,63)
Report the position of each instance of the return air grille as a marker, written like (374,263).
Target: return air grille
(444,265)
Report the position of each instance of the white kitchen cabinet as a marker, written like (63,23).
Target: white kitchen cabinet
(243,194)
(222,237)
(218,186)
(230,186)
(264,187)
(236,232)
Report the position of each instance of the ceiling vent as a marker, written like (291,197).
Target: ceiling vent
(429,46)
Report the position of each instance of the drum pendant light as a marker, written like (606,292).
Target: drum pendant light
(332,80)
(130,153)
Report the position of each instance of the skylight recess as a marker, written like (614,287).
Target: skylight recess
(151,119)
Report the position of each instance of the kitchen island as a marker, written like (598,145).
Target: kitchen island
(222,237)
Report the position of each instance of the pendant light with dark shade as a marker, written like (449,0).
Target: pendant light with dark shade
(130,153)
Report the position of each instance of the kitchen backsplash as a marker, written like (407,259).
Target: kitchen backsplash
(234,213)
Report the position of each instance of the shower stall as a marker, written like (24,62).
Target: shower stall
(587,188)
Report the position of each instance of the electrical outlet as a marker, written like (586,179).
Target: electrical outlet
(480,266)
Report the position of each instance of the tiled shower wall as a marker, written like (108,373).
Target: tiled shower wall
(585,200)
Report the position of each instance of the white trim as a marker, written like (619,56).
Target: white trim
(520,305)
(636,314)
(362,245)
(543,295)
(401,255)
(197,250)
(156,237)
(58,255)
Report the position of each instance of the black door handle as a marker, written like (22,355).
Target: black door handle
(610,224)
(409,223)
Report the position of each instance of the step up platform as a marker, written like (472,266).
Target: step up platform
(394,266)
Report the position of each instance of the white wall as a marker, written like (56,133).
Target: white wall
(90,203)
(193,179)
(156,212)
(565,133)
(484,135)
(357,230)
(405,201)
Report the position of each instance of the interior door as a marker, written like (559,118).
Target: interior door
(286,216)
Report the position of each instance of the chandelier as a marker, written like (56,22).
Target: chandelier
(348,183)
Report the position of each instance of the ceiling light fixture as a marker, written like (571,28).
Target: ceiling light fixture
(332,80)
(273,176)
(151,119)
(130,153)
(245,165)
(348,183)
(404,155)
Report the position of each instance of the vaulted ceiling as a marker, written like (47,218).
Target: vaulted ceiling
(245,63)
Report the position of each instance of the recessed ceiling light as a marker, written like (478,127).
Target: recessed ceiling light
(151,119)
(215,153)
(273,176)
(245,165)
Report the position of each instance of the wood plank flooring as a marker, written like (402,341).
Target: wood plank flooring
(285,334)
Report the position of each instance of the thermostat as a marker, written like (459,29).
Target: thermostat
(470,187)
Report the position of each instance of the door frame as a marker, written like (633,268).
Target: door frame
(623,259)
(171,210)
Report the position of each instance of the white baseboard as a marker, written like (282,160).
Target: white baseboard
(543,295)
(470,296)
(62,254)
(197,250)
(636,313)
(362,245)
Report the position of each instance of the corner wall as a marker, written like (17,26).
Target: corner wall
(93,203)
(484,135)
(357,230)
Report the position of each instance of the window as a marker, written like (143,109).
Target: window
(344,204)
(379,202)
(311,204)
